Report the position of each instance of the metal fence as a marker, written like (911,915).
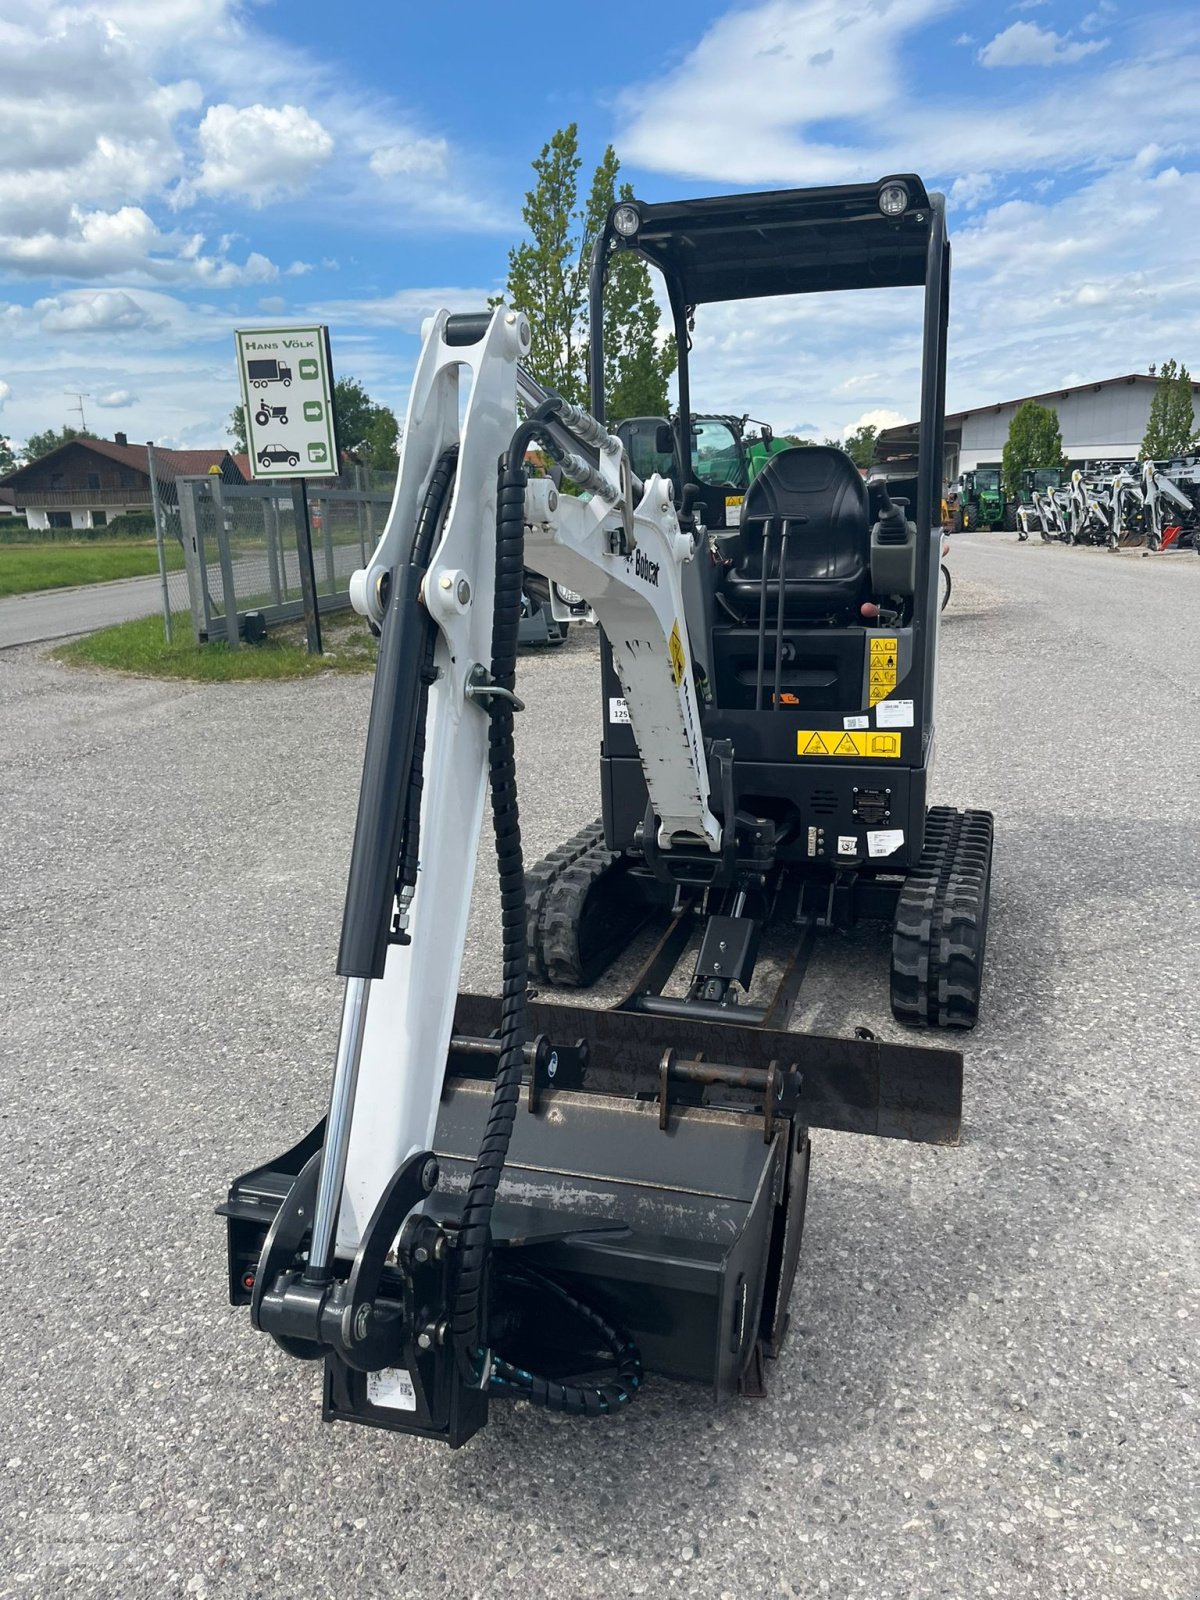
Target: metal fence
(240,547)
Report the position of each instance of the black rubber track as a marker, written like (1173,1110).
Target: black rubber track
(584,908)
(540,879)
(940,932)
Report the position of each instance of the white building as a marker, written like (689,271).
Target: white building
(1103,421)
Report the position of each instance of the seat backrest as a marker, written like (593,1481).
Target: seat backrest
(819,494)
(819,491)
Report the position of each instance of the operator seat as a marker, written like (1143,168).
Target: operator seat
(816,494)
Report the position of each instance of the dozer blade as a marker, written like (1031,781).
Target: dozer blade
(895,1091)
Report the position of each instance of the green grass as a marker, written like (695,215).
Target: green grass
(139,648)
(25,568)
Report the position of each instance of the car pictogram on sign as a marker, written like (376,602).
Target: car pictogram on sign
(272,455)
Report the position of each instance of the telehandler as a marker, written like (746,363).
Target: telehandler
(514,1197)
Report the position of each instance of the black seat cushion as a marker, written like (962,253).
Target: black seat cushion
(816,493)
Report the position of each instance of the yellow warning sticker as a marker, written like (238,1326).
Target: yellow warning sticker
(734,499)
(851,744)
(678,659)
(882,661)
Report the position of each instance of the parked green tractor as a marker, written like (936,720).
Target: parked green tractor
(727,454)
(984,502)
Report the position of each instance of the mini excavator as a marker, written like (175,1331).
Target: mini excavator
(515,1197)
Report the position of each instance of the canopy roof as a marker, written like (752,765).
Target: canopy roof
(786,241)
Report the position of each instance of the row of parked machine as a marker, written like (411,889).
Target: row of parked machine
(1155,504)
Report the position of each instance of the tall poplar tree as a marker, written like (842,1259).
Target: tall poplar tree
(548,279)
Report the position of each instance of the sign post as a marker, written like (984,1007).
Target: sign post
(287,398)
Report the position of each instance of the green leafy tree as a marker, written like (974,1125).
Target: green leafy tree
(236,428)
(8,459)
(1171,427)
(545,272)
(381,449)
(637,363)
(41,444)
(860,445)
(548,279)
(1034,440)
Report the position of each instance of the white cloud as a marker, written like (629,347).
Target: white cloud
(424,157)
(878,418)
(116,399)
(105,311)
(1028,5)
(971,189)
(405,309)
(1100,18)
(1024,44)
(298,269)
(5,391)
(259,153)
(769,119)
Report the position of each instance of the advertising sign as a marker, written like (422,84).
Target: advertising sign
(287,392)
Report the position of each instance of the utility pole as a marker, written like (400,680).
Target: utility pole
(80,398)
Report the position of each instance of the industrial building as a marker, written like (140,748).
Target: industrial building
(1103,421)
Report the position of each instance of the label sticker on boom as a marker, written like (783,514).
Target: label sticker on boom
(618,711)
(847,743)
(678,659)
(392,1387)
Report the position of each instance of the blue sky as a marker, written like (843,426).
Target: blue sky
(171,171)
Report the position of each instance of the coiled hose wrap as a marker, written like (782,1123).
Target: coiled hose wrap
(474,1236)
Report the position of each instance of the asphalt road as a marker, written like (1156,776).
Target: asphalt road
(57,613)
(990,1390)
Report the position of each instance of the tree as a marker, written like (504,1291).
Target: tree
(637,363)
(364,427)
(1034,440)
(1171,427)
(41,444)
(380,449)
(860,445)
(548,280)
(8,460)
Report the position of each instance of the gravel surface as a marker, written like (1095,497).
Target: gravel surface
(990,1385)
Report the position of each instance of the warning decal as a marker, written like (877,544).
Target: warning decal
(833,742)
(678,659)
(882,667)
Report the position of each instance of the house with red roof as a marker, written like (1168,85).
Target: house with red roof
(86,482)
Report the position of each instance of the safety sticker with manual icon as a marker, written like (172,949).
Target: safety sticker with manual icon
(287,401)
(882,664)
(848,742)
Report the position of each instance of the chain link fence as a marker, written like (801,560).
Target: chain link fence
(240,551)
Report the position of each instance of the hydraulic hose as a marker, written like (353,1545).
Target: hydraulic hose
(474,1237)
(429,526)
